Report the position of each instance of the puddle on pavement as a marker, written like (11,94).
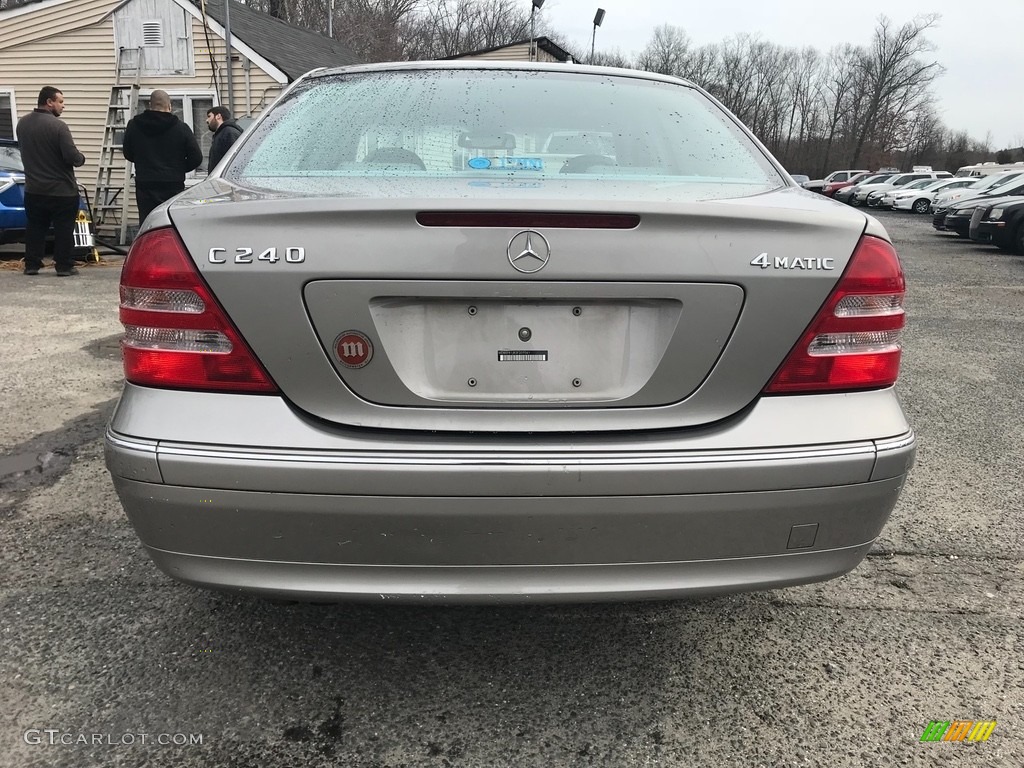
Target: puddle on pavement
(22,463)
(42,460)
(108,348)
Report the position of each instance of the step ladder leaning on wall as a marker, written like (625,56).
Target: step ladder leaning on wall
(112,198)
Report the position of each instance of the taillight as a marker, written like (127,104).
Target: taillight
(854,342)
(176,334)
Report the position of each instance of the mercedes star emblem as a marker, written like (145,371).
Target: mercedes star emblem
(528,251)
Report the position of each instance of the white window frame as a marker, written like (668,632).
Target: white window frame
(187,97)
(9,91)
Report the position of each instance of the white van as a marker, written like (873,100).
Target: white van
(985,169)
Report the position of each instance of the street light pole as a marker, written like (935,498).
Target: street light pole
(598,18)
(537,5)
(330,19)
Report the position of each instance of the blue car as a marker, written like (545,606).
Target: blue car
(12,193)
(12,196)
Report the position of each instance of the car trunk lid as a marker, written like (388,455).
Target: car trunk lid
(396,316)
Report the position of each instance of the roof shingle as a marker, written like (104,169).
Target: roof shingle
(291,49)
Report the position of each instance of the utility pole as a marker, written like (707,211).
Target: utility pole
(227,55)
(330,19)
(537,5)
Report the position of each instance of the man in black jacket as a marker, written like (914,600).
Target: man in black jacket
(163,149)
(51,190)
(225,133)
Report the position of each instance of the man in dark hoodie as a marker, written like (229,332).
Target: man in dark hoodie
(225,133)
(163,149)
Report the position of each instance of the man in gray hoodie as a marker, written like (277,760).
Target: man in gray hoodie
(51,190)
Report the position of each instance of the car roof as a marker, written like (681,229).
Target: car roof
(490,65)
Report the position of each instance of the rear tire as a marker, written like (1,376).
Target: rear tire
(922,205)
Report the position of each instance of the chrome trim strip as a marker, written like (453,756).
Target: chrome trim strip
(896,443)
(142,445)
(531,459)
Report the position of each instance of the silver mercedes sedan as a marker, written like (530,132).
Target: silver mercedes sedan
(462,332)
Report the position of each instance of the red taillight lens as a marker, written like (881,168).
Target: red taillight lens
(177,336)
(854,342)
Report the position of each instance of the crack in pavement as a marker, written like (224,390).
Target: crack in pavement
(43,460)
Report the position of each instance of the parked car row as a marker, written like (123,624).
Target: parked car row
(836,177)
(844,193)
(918,197)
(871,193)
(1000,223)
(923,195)
(993,214)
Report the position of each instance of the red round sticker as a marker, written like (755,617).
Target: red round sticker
(354,350)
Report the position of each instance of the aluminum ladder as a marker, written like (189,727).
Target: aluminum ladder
(110,206)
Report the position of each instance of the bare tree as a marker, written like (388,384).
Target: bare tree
(450,27)
(893,69)
(666,52)
(374,28)
(700,64)
(611,58)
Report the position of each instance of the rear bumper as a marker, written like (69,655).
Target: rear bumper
(507,584)
(427,517)
(465,549)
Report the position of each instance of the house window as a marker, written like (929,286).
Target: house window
(191,108)
(8,115)
(153,34)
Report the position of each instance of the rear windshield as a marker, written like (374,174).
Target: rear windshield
(503,125)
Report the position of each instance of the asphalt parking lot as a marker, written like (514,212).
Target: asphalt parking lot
(96,644)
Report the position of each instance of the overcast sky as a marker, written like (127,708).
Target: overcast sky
(978,43)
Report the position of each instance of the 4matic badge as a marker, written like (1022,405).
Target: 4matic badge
(792,262)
